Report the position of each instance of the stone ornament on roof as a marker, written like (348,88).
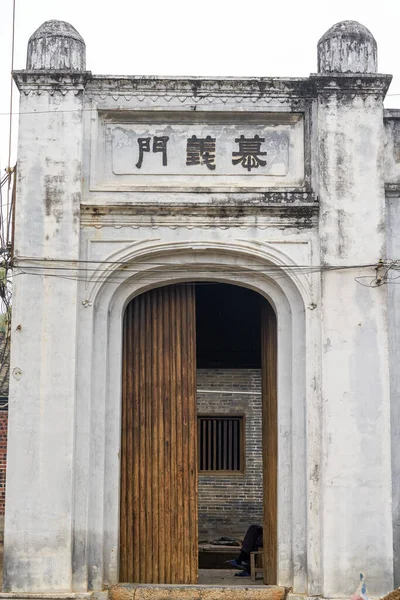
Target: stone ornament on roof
(347,47)
(56,45)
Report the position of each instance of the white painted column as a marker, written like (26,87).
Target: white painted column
(38,524)
(356,461)
(393,228)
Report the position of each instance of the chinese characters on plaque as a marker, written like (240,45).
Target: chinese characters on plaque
(159,145)
(202,151)
(249,152)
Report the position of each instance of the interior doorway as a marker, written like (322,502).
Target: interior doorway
(190,448)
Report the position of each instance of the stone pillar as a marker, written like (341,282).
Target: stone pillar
(356,472)
(38,524)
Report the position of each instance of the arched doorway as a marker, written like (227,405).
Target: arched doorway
(158,516)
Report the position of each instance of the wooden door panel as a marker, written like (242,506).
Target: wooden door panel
(158,516)
(270,442)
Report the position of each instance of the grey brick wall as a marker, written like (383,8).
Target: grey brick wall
(228,504)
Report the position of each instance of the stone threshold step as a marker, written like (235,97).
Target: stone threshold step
(196,592)
(47,596)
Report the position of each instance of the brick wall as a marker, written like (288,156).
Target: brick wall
(228,504)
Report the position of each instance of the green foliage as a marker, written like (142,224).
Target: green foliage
(4,322)
(5,302)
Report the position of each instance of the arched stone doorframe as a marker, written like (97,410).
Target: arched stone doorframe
(95,560)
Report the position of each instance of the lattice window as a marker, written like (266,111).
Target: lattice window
(220,443)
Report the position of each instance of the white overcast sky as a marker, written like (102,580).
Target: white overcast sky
(197,37)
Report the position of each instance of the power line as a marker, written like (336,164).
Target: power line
(11,86)
(62,264)
(5,227)
(82,273)
(386,271)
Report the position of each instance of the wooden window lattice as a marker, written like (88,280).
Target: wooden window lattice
(220,443)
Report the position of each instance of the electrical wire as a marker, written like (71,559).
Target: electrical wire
(11,86)
(386,271)
(88,271)
(5,229)
(159,266)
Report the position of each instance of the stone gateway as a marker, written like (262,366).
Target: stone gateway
(208,326)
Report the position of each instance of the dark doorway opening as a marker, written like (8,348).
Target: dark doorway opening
(229,408)
(228,325)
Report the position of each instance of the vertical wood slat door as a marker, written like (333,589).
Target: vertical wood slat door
(270,442)
(158,516)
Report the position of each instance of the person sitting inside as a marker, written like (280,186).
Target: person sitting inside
(253,540)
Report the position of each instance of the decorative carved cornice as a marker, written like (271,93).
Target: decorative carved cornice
(293,91)
(51,81)
(200,87)
(345,85)
(392,190)
(206,216)
(251,202)
(391,113)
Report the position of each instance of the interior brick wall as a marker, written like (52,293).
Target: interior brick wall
(228,504)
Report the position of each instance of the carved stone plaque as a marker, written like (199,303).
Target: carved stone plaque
(188,150)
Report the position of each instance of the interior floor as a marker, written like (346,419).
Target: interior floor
(224,577)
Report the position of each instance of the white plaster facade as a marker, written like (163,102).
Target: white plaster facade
(92,231)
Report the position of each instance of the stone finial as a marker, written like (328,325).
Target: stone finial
(56,45)
(347,47)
